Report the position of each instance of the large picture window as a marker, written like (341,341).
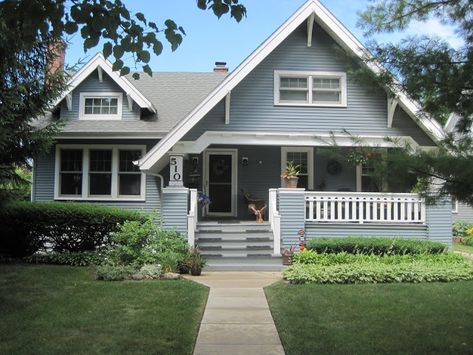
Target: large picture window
(100,172)
(310,88)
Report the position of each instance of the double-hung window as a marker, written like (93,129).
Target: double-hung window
(303,157)
(310,88)
(99,172)
(100,106)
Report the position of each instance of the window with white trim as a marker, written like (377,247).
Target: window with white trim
(310,88)
(304,158)
(100,106)
(99,172)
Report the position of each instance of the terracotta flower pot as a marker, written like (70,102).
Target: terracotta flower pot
(291,183)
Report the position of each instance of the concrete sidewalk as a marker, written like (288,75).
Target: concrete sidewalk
(237,319)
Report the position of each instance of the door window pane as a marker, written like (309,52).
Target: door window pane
(300,159)
(220,183)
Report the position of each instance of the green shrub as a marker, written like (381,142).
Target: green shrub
(377,269)
(151,271)
(140,243)
(459,228)
(111,272)
(62,226)
(378,246)
(309,257)
(468,241)
(84,258)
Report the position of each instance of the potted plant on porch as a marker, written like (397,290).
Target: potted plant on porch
(290,175)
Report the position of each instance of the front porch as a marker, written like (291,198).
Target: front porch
(335,198)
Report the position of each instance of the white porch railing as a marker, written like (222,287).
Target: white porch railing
(275,221)
(364,207)
(192,217)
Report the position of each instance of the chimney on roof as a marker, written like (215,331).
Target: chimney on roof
(220,67)
(58,56)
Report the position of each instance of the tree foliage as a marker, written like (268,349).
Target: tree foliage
(32,31)
(439,77)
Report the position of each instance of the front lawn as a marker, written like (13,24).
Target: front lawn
(462,248)
(48,309)
(428,318)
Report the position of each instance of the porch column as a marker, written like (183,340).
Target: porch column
(175,169)
(292,211)
(438,218)
(175,209)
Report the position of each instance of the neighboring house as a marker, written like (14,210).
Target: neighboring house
(221,133)
(461,211)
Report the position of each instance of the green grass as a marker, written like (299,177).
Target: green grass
(48,309)
(428,318)
(463,248)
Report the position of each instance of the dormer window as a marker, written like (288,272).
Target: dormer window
(100,106)
(294,88)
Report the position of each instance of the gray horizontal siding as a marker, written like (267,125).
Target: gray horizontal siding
(439,220)
(175,209)
(465,213)
(92,84)
(252,101)
(292,211)
(43,183)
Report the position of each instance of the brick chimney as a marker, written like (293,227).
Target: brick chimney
(58,53)
(220,67)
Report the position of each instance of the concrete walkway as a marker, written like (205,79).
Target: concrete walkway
(237,319)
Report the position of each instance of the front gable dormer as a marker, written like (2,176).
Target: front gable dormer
(96,92)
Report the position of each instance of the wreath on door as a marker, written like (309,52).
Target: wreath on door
(334,167)
(219,167)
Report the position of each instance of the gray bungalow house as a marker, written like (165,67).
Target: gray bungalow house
(158,143)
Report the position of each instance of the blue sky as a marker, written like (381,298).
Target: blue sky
(210,39)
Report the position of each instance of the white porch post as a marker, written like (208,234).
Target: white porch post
(192,217)
(275,221)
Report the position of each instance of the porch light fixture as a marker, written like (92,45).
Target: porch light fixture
(244,161)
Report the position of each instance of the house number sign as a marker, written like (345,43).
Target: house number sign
(175,170)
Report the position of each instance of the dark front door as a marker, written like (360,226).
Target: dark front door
(220,188)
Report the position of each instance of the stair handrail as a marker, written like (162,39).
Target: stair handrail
(192,217)
(275,221)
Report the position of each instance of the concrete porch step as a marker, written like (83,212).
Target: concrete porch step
(248,263)
(243,245)
(241,253)
(213,227)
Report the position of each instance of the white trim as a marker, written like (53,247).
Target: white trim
(310,75)
(99,61)
(205,178)
(359,169)
(310,162)
(289,139)
(85,173)
(100,73)
(340,34)
(129,100)
(310,29)
(392,104)
(69,102)
(228,102)
(93,95)
(455,208)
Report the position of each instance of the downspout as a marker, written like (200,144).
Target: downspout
(160,195)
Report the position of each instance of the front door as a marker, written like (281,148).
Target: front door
(220,181)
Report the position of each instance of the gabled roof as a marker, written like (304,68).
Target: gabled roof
(99,61)
(173,95)
(335,29)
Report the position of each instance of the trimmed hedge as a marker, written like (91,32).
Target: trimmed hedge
(348,268)
(61,226)
(377,246)
(85,258)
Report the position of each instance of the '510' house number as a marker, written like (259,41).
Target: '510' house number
(175,170)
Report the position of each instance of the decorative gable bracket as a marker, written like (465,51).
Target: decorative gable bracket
(392,104)
(130,102)
(228,100)
(69,102)
(310,29)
